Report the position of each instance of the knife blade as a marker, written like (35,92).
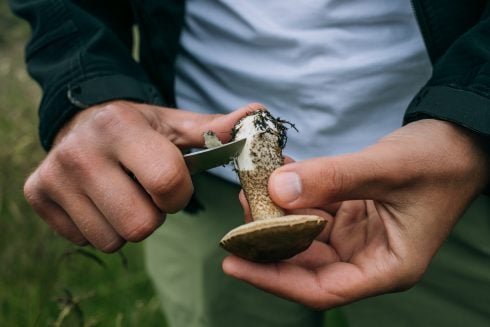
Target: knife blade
(210,158)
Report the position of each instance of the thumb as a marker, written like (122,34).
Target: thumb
(319,182)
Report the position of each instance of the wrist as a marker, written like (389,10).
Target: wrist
(462,147)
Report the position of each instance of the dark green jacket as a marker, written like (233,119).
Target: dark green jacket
(80,53)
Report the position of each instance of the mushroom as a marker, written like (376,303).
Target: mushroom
(272,236)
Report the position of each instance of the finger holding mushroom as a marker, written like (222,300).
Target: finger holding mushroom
(272,236)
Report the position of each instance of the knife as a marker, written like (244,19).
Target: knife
(210,158)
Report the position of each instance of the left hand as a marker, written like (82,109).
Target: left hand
(399,200)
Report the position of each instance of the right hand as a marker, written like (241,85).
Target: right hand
(116,169)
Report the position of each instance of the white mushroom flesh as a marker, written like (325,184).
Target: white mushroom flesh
(261,155)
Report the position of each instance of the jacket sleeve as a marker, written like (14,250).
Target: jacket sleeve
(80,53)
(459,89)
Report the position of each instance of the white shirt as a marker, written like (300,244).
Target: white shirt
(343,71)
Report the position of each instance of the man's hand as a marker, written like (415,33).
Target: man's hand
(117,168)
(394,205)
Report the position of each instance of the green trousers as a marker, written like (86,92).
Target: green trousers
(184,262)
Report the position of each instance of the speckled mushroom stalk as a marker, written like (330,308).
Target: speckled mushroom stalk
(272,236)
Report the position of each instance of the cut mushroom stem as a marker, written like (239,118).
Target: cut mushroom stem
(272,236)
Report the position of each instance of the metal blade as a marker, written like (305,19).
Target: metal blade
(210,158)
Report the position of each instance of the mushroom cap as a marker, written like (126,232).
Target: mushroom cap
(273,239)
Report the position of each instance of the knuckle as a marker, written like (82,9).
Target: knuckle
(75,237)
(113,117)
(31,192)
(72,158)
(68,153)
(43,179)
(333,181)
(178,204)
(165,180)
(111,246)
(141,230)
(72,235)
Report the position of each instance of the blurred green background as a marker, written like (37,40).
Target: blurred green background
(45,281)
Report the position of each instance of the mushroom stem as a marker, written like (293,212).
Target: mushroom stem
(260,156)
(271,236)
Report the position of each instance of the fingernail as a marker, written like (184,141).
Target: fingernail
(287,186)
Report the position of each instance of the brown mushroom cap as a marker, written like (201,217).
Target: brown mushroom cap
(273,239)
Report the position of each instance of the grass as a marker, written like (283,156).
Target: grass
(45,281)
